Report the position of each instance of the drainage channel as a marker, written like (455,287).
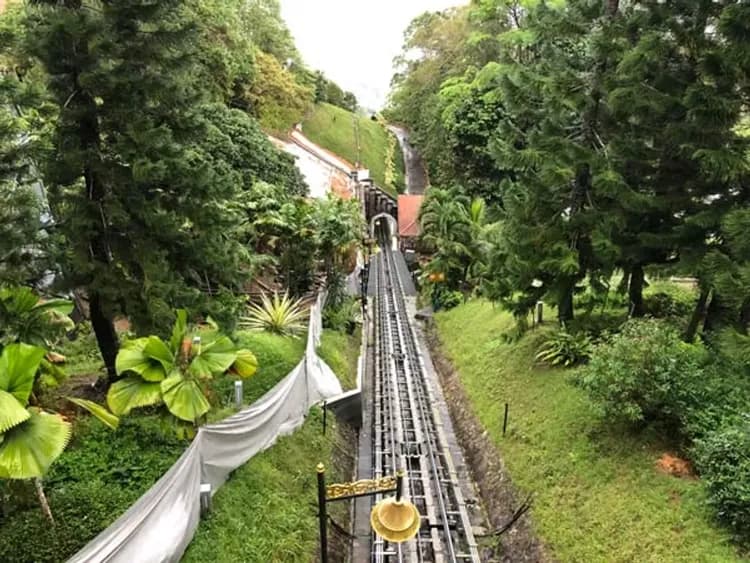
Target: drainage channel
(407,433)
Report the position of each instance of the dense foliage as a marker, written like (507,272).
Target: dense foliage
(604,137)
(608,143)
(175,204)
(645,373)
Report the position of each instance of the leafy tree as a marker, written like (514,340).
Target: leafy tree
(726,271)
(274,95)
(339,226)
(148,200)
(267,30)
(452,227)
(24,245)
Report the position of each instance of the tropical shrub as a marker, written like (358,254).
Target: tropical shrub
(565,349)
(443,298)
(278,314)
(25,317)
(340,316)
(171,373)
(723,459)
(30,438)
(644,373)
(662,304)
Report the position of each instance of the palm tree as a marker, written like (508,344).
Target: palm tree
(452,227)
(31,439)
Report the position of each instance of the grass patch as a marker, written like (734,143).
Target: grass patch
(334,129)
(97,478)
(277,356)
(266,512)
(341,352)
(598,496)
(82,356)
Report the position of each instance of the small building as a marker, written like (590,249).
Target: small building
(408,220)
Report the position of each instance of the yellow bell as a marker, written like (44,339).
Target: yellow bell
(394,520)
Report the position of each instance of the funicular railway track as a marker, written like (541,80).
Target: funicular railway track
(408,434)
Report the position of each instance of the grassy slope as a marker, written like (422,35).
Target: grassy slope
(265,513)
(276,355)
(597,494)
(333,129)
(341,352)
(102,473)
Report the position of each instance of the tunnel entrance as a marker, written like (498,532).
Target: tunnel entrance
(385,227)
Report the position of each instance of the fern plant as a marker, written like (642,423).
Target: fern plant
(565,349)
(278,314)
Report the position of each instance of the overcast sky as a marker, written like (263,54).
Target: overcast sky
(354,41)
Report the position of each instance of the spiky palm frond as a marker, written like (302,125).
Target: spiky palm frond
(279,314)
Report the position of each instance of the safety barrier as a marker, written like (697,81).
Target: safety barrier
(160,525)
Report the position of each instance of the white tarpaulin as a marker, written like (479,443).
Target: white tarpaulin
(160,525)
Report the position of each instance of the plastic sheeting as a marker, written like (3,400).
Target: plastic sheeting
(160,525)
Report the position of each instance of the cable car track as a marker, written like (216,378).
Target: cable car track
(408,433)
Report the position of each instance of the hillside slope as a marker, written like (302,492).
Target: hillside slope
(338,131)
(597,493)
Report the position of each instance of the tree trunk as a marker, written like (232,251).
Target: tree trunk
(698,315)
(622,287)
(635,291)
(745,317)
(565,306)
(713,314)
(43,500)
(106,337)
(98,245)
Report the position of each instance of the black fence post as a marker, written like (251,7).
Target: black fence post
(322,513)
(325,416)
(505,419)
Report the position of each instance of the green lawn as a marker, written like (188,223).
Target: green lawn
(335,129)
(277,356)
(266,512)
(598,496)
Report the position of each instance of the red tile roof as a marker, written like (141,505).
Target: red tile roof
(408,215)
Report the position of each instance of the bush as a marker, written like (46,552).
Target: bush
(279,314)
(664,300)
(340,317)
(446,299)
(92,483)
(565,349)
(723,459)
(645,373)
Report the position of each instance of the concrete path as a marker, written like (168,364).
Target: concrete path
(416,172)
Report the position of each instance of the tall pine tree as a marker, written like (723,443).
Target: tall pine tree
(145,174)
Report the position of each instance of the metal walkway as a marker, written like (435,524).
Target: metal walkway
(407,432)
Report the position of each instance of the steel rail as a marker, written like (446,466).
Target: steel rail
(409,434)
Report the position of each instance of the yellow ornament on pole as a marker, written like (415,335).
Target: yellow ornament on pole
(394,519)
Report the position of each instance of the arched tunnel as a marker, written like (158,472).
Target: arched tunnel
(384,229)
